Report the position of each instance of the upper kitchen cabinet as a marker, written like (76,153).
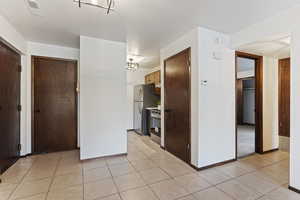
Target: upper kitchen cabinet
(153,77)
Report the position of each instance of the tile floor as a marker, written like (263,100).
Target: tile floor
(246,140)
(147,173)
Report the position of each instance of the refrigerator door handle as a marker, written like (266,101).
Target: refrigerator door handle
(140,108)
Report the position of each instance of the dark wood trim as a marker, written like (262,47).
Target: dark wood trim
(55,58)
(270,151)
(247,78)
(258,99)
(194,167)
(294,189)
(111,156)
(247,55)
(213,165)
(32,105)
(259,105)
(33,154)
(248,124)
(33,57)
(190,106)
(189,96)
(236,108)
(27,155)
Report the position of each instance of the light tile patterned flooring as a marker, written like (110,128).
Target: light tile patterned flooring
(147,173)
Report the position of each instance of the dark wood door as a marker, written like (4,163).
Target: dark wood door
(10,63)
(239,101)
(177,105)
(284,97)
(55,107)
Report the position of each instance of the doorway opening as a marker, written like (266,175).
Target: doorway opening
(249,138)
(275,112)
(178,105)
(54,104)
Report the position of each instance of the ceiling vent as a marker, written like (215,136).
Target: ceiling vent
(33,4)
(34,7)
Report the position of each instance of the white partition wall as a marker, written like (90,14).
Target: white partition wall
(295,111)
(103,98)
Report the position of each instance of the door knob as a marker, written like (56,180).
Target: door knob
(37,111)
(168,110)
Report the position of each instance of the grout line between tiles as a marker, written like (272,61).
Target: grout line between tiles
(118,192)
(19,183)
(149,157)
(53,176)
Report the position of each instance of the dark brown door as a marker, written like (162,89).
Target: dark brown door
(284,97)
(177,105)
(10,62)
(55,109)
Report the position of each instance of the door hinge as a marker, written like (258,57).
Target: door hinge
(19,108)
(189,63)
(19,147)
(20,68)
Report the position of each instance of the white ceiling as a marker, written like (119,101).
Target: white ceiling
(146,25)
(277,48)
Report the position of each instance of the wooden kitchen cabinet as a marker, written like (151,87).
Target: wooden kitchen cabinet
(157,77)
(153,77)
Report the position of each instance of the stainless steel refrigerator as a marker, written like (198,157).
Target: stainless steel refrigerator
(144,97)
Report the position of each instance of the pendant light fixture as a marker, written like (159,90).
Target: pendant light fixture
(131,65)
(108,5)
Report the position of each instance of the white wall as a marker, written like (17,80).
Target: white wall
(38,49)
(270,103)
(205,100)
(102,98)
(9,34)
(295,111)
(54,51)
(216,121)
(280,25)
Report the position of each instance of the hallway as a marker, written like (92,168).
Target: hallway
(147,173)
